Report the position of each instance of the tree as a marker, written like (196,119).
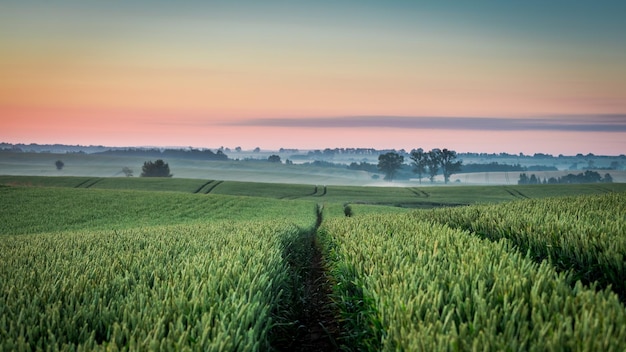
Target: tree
(274,158)
(389,163)
(220,155)
(127,171)
(607,178)
(59,164)
(155,169)
(419,162)
(592,177)
(523,179)
(433,160)
(448,165)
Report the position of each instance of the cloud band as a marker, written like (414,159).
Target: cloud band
(575,123)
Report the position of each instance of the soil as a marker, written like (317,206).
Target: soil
(318,328)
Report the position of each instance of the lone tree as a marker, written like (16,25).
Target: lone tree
(127,171)
(419,162)
(448,165)
(155,169)
(389,163)
(59,164)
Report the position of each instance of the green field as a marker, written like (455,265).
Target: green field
(407,197)
(93,263)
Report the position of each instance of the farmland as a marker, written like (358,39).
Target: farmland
(95,263)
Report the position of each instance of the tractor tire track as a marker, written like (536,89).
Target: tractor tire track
(313,194)
(94,182)
(521,194)
(82,183)
(210,189)
(319,329)
(204,185)
(418,192)
(511,193)
(516,193)
(604,189)
(317,190)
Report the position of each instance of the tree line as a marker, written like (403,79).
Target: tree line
(194,154)
(586,177)
(424,163)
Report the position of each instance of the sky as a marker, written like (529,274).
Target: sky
(473,76)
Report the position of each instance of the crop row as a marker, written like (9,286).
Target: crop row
(585,234)
(403,284)
(214,286)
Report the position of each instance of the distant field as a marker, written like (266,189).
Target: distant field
(40,164)
(407,197)
(89,165)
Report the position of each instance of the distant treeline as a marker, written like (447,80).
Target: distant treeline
(496,167)
(363,166)
(586,177)
(404,173)
(196,154)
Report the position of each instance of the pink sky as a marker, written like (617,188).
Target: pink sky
(122,77)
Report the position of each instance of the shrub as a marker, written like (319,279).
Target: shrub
(156,169)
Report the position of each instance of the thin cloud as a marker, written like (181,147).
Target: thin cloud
(575,123)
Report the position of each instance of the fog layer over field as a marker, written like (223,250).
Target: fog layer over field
(303,168)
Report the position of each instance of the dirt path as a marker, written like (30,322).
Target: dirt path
(319,328)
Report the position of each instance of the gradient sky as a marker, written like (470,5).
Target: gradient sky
(480,76)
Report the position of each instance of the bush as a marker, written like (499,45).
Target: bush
(347,210)
(156,169)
